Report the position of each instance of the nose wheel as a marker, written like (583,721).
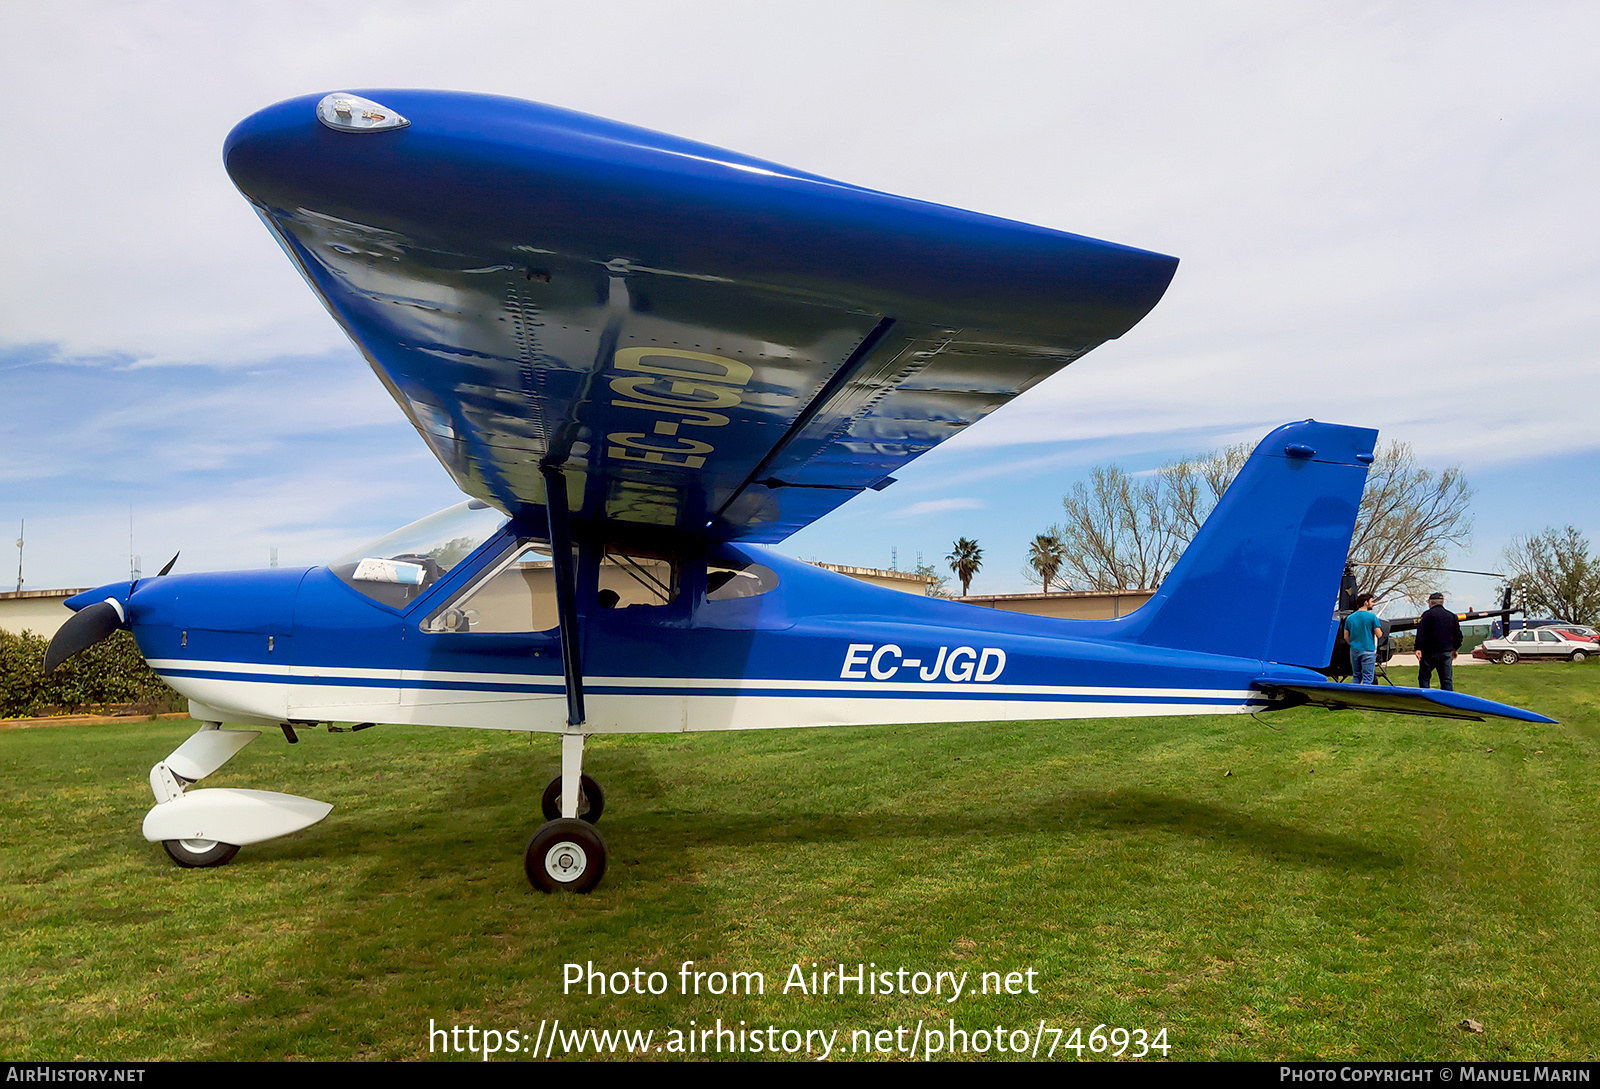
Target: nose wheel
(197,853)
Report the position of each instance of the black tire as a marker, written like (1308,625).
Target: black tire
(193,854)
(591,800)
(565,854)
(1578,655)
(1508,657)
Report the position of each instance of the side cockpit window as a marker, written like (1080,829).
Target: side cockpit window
(726,582)
(517,593)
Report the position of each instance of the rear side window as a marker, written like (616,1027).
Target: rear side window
(725,582)
(629,580)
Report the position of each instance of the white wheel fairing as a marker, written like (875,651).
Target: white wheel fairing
(233,816)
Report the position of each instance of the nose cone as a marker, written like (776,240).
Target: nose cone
(115,590)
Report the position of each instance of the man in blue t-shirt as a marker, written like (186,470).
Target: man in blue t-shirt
(1363,629)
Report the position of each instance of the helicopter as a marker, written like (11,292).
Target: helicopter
(1339,659)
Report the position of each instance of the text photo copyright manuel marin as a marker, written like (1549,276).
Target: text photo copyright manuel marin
(925,1038)
(1474,1073)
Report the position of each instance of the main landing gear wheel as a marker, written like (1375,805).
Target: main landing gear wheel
(566,853)
(1508,658)
(196,853)
(591,800)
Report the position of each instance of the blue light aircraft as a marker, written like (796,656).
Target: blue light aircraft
(643,359)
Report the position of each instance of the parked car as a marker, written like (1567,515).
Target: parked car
(1581,632)
(1495,630)
(1536,643)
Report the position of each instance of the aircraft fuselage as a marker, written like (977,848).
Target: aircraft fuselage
(818,649)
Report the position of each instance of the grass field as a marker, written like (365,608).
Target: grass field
(1308,884)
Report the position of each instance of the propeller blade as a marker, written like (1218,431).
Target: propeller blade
(168,568)
(86,627)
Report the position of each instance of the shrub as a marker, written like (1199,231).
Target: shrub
(109,674)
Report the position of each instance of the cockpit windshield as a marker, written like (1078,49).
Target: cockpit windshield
(397,568)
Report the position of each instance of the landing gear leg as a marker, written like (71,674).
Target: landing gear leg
(567,852)
(202,828)
(591,800)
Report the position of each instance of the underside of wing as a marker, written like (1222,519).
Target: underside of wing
(705,344)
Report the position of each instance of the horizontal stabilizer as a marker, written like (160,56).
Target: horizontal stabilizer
(1401,701)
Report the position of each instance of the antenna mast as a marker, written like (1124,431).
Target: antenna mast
(133,561)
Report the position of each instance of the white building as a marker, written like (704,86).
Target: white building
(38,611)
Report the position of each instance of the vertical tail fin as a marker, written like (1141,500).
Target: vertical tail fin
(1261,578)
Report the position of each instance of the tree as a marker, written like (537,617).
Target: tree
(1554,574)
(1408,517)
(1119,534)
(965,559)
(1044,558)
(1125,535)
(938,585)
(1195,485)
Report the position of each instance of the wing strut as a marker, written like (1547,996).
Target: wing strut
(555,490)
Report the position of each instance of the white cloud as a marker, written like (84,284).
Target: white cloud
(936,506)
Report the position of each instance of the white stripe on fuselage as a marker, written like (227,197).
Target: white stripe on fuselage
(751,683)
(753,706)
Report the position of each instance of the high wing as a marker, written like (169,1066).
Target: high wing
(700,340)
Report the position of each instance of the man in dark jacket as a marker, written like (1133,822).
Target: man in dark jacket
(1438,639)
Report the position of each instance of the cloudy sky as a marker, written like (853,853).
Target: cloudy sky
(1386,216)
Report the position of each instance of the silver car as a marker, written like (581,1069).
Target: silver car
(1536,643)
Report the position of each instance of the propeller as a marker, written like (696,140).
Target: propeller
(91,624)
(164,570)
(83,629)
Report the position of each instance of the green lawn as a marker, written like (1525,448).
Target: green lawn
(1312,883)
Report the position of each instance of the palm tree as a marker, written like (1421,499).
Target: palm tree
(1045,555)
(965,559)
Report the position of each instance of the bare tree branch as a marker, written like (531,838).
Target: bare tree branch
(1553,573)
(1117,533)
(1122,534)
